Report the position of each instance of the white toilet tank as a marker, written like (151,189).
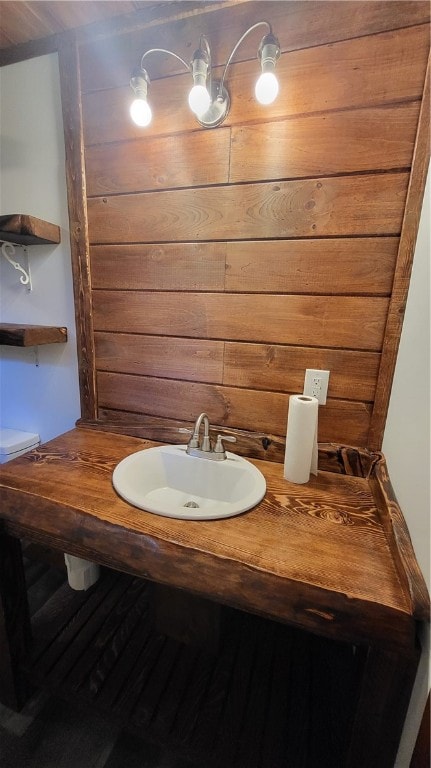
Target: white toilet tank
(15,442)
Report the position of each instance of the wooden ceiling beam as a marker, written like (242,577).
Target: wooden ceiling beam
(144,17)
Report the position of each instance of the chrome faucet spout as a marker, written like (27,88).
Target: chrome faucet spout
(204,449)
(206,443)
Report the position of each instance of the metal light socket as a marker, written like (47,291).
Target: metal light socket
(269,52)
(139,83)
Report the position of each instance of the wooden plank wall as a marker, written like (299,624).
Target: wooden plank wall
(225,262)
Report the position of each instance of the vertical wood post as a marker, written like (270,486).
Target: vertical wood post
(386,688)
(403,268)
(68,60)
(15,632)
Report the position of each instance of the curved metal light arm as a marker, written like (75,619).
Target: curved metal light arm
(165,50)
(236,46)
(211,112)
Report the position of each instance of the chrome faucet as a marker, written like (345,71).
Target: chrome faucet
(205,448)
(205,445)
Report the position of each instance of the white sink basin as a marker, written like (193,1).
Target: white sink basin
(167,481)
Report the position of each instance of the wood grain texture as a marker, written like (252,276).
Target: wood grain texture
(75,180)
(144,15)
(395,529)
(297,24)
(319,557)
(329,557)
(344,321)
(379,69)
(320,546)
(338,458)
(349,266)
(270,243)
(328,144)
(266,411)
(276,367)
(163,356)
(149,16)
(248,443)
(16,335)
(403,268)
(256,366)
(28,230)
(332,266)
(336,142)
(156,163)
(25,21)
(361,205)
(162,266)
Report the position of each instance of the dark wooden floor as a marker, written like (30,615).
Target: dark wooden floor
(51,732)
(116,693)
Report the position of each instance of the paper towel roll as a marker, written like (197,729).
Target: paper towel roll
(301,440)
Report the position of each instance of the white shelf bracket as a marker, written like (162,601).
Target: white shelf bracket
(25,278)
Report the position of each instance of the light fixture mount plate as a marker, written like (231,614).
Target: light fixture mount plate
(219,109)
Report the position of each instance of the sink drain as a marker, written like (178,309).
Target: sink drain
(191,504)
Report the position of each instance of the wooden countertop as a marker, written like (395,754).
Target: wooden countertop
(332,556)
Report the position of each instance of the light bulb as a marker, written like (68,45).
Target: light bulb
(199,100)
(140,112)
(266,89)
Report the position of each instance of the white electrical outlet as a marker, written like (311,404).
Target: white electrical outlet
(316,384)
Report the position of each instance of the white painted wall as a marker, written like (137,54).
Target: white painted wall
(43,398)
(406,446)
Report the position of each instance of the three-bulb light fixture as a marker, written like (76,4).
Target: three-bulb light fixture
(208,98)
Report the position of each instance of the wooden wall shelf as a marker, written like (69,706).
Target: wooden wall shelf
(14,335)
(21,229)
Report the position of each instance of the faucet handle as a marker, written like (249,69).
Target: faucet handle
(219,447)
(193,442)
